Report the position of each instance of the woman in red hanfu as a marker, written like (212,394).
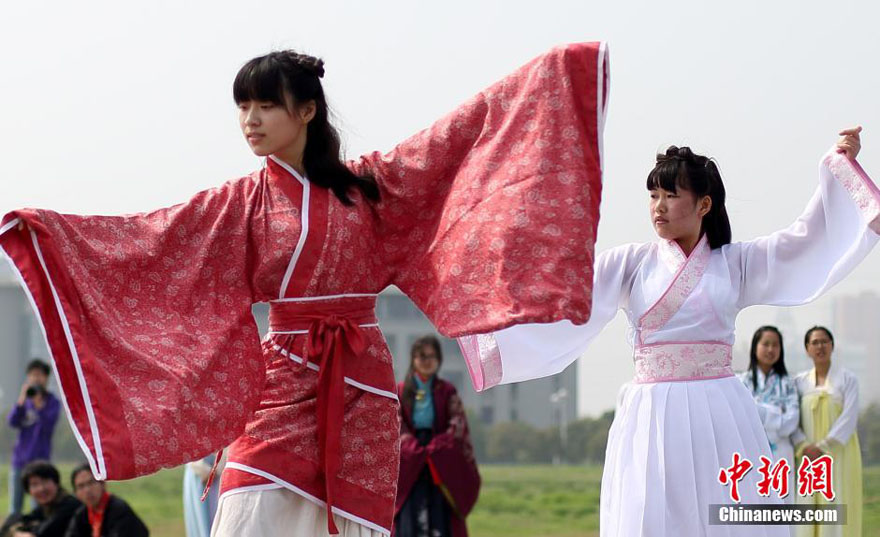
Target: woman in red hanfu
(439,481)
(485,220)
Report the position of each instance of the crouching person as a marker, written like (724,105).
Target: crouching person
(102,514)
(55,507)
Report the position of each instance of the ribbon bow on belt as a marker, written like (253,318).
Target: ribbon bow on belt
(325,345)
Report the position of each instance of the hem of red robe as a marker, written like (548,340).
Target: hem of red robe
(276,466)
(35,261)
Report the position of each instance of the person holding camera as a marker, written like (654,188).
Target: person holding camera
(34,415)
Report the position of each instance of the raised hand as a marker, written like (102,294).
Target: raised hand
(850,142)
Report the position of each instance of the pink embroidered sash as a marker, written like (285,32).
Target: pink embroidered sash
(667,362)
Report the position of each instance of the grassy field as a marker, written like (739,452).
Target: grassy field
(516,501)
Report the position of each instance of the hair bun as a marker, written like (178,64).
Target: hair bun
(682,154)
(313,65)
(308,63)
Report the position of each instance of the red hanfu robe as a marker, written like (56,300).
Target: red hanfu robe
(487,220)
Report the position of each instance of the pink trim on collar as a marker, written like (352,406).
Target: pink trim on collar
(682,285)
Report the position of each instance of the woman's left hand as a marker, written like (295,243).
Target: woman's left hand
(850,143)
(813,452)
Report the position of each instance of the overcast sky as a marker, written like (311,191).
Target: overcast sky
(120,106)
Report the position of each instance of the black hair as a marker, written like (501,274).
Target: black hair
(273,77)
(84,467)
(409,383)
(36,363)
(39,468)
(778,366)
(681,168)
(813,329)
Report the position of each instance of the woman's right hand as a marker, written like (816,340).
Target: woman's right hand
(850,142)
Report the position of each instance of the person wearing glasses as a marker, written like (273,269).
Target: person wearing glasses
(102,514)
(439,481)
(829,396)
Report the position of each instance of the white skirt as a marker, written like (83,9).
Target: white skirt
(666,447)
(278,513)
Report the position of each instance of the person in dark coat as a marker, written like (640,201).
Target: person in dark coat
(55,506)
(102,513)
(439,481)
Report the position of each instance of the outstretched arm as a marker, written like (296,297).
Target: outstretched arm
(837,230)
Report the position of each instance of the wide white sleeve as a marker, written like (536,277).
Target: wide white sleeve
(836,231)
(530,351)
(771,419)
(846,423)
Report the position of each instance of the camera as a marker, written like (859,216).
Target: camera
(35,390)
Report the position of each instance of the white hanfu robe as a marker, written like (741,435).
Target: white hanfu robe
(685,414)
(829,418)
(776,398)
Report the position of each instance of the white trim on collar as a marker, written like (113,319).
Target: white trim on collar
(304,224)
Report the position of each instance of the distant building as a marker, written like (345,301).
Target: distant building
(856,329)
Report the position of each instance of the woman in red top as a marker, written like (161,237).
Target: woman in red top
(148,316)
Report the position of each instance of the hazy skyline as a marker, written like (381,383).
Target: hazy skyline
(113,107)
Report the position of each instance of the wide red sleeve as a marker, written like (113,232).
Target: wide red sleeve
(489,216)
(148,321)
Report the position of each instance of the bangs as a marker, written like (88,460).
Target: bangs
(259,80)
(670,175)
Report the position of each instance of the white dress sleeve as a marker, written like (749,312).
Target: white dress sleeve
(771,419)
(798,436)
(836,231)
(530,351)
(791,416)
(779,421)
(845,425)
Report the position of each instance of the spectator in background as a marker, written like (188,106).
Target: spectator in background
(55,507)
(34,415)
(439,481)
(829,418)
(775,394)
(102,514)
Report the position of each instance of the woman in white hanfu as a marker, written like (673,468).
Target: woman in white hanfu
(684,415)
(829,420)
(775,396)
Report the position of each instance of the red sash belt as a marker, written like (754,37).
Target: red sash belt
(332,324)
